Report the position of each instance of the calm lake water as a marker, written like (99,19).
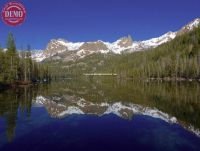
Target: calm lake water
(98,114)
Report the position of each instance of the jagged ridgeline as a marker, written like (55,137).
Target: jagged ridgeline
(17,67)
(178,58)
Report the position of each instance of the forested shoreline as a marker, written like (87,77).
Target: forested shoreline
(17,67)
(177,60)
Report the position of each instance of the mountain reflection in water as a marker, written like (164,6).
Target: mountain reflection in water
(74,105)
(174,103)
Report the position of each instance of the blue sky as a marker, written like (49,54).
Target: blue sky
(90,20)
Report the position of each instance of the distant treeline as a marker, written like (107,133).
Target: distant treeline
(18,67)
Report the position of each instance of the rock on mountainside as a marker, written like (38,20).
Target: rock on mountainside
(92,47)
(70,51)
(126,42)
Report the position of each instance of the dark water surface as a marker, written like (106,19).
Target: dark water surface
(101,114)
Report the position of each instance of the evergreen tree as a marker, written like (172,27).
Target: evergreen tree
(12,58)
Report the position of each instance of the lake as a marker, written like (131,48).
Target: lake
(95,114)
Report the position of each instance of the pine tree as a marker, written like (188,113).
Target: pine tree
(12,58)
(1,65)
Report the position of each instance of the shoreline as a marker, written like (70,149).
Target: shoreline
(165,79)
(172,79)
(16,84)
(5,86)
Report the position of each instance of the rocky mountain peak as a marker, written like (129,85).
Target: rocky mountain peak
(125,41)
(54,46)
(94,46)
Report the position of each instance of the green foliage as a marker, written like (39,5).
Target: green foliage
(18,66)
(11,47)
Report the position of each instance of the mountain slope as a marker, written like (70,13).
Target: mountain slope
(178,59)
(57,48)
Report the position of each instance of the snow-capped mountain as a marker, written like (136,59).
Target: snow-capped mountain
(69,51)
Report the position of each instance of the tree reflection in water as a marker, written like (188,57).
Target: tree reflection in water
(14,102)
(180,100)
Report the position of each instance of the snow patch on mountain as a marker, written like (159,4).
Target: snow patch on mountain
(154,42)
(38,56)
(70,45)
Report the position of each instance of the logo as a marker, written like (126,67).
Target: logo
(13,13)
